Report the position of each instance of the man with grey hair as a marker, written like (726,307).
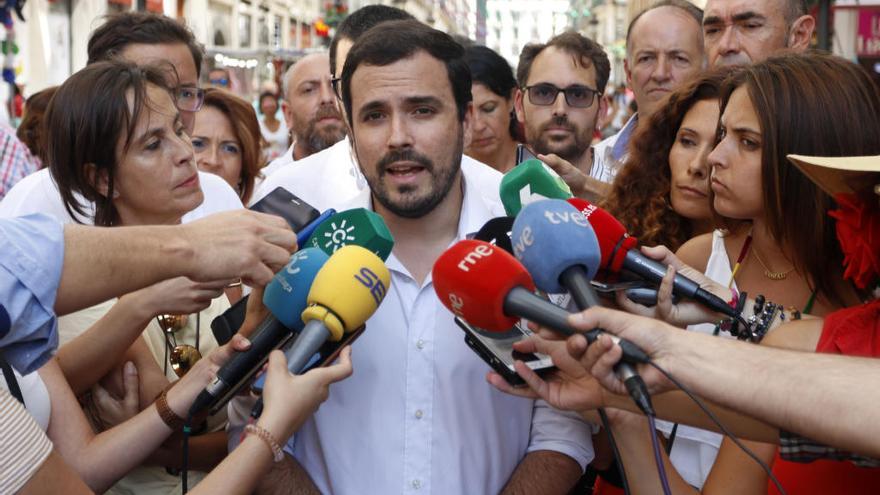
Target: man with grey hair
(664,47)
(310,110)
(747,31)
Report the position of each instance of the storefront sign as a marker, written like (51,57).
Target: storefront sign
(868,41)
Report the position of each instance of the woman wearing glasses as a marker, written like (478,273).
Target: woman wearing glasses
(148,177)
(494,127)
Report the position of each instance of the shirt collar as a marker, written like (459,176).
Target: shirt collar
(620,144)
(475,211)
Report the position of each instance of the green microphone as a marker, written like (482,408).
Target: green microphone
(359,227)
(528,182)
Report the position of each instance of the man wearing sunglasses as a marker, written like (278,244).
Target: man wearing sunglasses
(559,101)
(143,38)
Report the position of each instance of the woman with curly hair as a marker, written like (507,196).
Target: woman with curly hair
(661,194)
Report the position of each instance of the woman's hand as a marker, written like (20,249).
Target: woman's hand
(290,399)
(181,396)
(106,410)
(600,357)
(686,312)
(570,387)
(177,296)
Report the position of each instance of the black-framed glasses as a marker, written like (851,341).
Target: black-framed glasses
(334,83)
(189,98)
(576,95)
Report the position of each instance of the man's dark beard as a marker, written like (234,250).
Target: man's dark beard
(441,182)
(572,152)
(320,139)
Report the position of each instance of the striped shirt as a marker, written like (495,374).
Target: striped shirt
(23,445)
(16,161)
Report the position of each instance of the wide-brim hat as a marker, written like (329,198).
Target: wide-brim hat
(848,174)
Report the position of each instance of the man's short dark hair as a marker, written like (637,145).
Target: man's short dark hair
(359,22)
(393,41)
(585,51)
(123,29)
(689,8)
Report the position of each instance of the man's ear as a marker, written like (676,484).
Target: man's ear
(627,71)
(99,180)
(602,116)
(518,103)
(467,123)
(288,114)
(801,32)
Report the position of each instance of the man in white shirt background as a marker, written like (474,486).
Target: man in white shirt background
(417,415)
(664,47)
(310,109)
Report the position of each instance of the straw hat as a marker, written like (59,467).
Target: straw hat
(840,174)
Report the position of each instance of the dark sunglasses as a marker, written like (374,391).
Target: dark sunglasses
(576,96)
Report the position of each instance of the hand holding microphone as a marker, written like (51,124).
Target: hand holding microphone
(556,243)
(490,289)
(285,297)
(620,251)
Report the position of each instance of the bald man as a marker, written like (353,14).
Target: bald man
(747,31)
(310,109)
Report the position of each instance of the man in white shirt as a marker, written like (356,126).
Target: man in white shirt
(142,38)
(664,47)
(559,101)
(417,415)
(331,174)
(310,111)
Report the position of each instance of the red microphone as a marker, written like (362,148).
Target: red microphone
(620,251)
(487,287)
(614,242)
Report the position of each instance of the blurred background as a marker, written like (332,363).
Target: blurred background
(257,39)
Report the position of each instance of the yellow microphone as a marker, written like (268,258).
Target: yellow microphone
(347,290)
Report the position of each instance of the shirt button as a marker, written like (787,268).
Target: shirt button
(420,344)
(416,484)
(419,414)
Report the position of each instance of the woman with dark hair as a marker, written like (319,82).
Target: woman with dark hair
(31,131)
(274,130)
(115,138)
(779,242)
(492,139)
(226,139)
(661,194)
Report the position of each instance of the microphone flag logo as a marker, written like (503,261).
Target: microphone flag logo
(338,235)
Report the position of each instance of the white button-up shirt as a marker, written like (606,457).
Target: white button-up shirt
(418,416)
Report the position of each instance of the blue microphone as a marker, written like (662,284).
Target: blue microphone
(561,252)
(302,237)
(285,298)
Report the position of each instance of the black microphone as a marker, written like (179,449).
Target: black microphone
(620,251)
(497,231)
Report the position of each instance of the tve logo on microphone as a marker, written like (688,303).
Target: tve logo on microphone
(556,218)
(371,281)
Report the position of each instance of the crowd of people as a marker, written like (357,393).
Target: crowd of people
(750,165)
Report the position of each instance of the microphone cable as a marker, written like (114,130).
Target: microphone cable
(606,425)
(658,458)
(184,465)
(718,423)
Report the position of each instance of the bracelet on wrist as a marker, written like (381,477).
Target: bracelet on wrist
(268,439)
(169,417)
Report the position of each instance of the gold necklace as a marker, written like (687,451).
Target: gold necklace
(769,273)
